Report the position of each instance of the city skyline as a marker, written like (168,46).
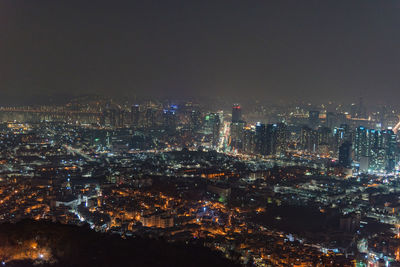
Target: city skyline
(200,133)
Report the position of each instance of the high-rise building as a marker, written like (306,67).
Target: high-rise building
(338,139)
(169,119)
(324,136)
(249,140)
(266,139)
(331,120)
(271,139)
(309,139)
(361,145)
(212,126)
(261,139)
(237,135)
(377,159)
(111,117)
(313,119)
(271,143)
(377,148)
(348,134)
(121,117)
(390,146)
(195,120)
(135,115)
(236,113)
(345,151)
(324,140)
(149,118)
(281,138)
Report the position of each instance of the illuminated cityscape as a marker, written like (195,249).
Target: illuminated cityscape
(293,185)
(200,133)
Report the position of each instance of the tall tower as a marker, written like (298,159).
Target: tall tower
(236,113)
(313,119)
(281,138)
(170,119)
(261,139)
(309,139)
(345,155)
(360,143)
(135,114)
(215,126)
(390,145)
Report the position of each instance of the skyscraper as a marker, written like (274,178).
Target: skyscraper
(338,139)
(309,139)
(345,155)
(212,126)
(313,119)
(236,113)
(267,139)
(135,115)
(249,140)
(331,120)
(261,139)
(390,146)
(324,136)
(377,148)
(360,143)
(281,138)
(149,117)
(237,135)
(195,120)
(271,143)
(169,116)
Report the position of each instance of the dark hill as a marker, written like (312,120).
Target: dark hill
(81,246)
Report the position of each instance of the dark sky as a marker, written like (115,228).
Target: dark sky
(316,50)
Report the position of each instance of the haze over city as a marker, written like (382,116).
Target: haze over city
(269,50)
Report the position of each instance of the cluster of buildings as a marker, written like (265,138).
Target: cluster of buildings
(264,186)
(352,145)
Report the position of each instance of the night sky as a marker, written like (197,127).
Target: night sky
(270,50)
